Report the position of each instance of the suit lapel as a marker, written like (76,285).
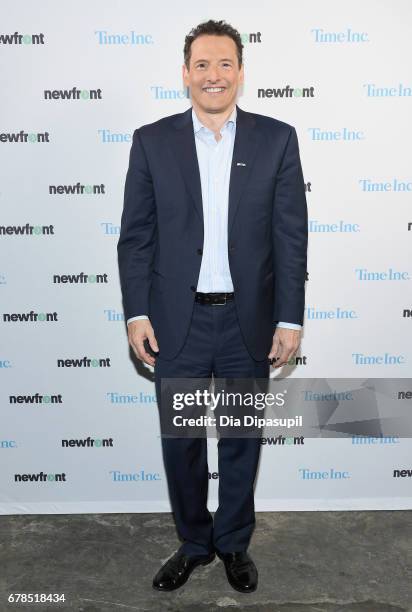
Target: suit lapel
(184,151)
(244,151)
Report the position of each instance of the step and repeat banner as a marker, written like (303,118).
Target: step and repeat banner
(79,427)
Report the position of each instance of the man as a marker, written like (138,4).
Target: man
(212,259)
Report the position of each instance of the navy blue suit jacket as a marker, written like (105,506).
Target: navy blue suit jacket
(161,237)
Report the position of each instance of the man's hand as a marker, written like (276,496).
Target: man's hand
(137,332)
(285,344)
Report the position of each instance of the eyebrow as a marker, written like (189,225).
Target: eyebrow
(224,59)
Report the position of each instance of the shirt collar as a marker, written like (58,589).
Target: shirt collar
(198,125)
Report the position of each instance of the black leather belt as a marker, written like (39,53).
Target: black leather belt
(213,299)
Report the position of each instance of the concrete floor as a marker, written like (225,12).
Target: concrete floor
(307,561)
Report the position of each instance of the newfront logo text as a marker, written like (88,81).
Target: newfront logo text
(80,279)
(40,477)
(21,39)
(30,317)
(77,189)
(87,443)
(37,398)
(84,362)
(72,94)
(26,230)
(286,92)
(26,137)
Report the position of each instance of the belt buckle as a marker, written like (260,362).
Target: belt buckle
(221,303)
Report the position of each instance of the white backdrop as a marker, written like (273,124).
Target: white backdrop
(63,165)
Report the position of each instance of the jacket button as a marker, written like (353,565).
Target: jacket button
(193,288)
(199,251)
(231,248)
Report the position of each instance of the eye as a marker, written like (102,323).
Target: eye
(201,65)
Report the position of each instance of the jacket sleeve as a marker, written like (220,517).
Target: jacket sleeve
(290,236)
(138,233)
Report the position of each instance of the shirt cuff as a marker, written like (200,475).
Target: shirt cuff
(137,318)
(289,325)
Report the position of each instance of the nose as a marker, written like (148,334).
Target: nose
(213,74)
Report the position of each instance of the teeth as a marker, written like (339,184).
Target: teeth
(214,89)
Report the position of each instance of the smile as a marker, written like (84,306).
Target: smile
(214,89)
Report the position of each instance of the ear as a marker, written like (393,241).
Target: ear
(241,74)
(185,75)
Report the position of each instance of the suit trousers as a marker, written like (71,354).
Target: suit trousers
(214,345)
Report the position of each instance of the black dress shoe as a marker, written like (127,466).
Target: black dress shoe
(241,572)
(175,572)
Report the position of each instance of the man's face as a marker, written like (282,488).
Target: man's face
(214,74)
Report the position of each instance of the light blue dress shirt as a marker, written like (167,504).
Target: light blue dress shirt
(215,161)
